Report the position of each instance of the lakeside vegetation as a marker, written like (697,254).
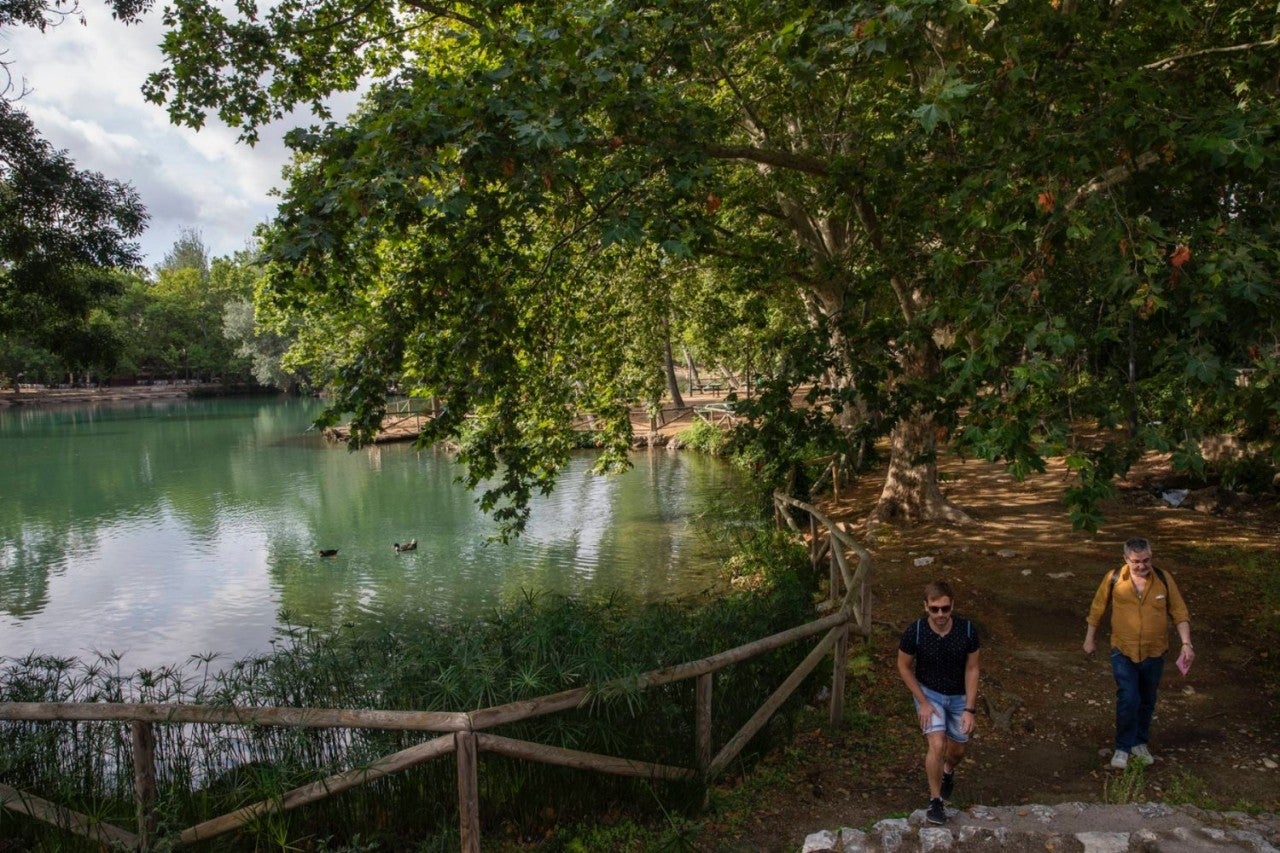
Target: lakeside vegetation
(540,646)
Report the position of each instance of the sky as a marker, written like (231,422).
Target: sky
(86,99)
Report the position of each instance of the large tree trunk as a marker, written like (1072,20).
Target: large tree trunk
(911,490)
(673,387)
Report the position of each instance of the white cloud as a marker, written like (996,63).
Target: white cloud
(86,98)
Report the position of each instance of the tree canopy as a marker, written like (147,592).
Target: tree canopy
(63,230)
(995,219)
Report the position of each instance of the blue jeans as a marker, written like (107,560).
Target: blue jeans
(952,707)
(1136,686)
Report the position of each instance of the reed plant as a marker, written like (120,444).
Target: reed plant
(540,645)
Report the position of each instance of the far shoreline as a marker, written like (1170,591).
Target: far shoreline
(45,397)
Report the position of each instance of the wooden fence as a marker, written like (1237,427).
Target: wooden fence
(464,734)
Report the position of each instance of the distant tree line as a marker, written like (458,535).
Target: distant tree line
(190,319)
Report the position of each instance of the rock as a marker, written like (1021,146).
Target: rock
(820,842)
(1006,553)
(935,838)
(853,840)
(1104,842)
(923,561)
(1091,827)
(1061,575)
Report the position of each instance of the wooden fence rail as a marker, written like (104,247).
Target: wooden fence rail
(462,733)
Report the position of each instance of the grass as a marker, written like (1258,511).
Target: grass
(1186,789)
(1130,786)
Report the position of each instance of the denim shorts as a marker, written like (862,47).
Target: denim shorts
(953,709)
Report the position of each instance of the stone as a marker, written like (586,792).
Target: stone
(1104,842)
(854,841)
(1044,814)
(935,838)
(922,561)
(1154,810)
(997,836)
(1006,553)
(1254,841)
(820,842)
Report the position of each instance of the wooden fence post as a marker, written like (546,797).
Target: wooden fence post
(702,717)
(833,569)
(144,781)
(839,653)
(468,791)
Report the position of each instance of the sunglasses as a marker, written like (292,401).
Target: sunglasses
(939,608)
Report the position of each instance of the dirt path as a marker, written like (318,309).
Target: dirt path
(1027,580)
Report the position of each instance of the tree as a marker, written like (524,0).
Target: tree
(263,348)
(984,208)
(62,230)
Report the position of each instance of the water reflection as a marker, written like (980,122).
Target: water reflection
(172,528)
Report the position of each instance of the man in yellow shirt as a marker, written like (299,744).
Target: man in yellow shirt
(1143,600)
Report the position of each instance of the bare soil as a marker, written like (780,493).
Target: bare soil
(1027,580)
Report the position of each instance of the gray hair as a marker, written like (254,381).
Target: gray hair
(1136,545)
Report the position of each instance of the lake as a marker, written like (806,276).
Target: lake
(164,529)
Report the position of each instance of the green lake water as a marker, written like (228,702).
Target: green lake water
(166,529)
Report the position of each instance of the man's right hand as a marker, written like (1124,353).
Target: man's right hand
(927,713)
(1090,646)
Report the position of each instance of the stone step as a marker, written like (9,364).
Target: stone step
(1062,828)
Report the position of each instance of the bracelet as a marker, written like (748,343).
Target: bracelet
(1187,646)
(971,710)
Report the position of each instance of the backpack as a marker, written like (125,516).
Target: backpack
(1115,576)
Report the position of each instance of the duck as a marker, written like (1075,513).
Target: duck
(328,552)
(411,545)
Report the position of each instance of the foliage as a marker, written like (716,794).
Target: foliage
(704,436)
(62,231)
(1001,218)
(538,647)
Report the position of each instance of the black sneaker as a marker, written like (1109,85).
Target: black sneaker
(948,784)
(937,812)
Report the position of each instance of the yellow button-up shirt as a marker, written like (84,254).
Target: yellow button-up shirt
(1139,625)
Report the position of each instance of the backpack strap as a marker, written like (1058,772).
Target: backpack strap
(1115,576)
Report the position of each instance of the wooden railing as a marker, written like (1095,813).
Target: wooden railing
(463,733)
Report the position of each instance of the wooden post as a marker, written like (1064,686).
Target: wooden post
(833,570)
(835,479)
(144,781)
(702,718)
(468,792)
(813,539)
(839,654)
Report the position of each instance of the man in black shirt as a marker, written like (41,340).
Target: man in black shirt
(938,661)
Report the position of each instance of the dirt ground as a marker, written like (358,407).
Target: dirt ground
(1027,581)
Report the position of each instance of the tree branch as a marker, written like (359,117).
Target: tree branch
(1111,177)
(770,157)
(443,12)
(1169,61)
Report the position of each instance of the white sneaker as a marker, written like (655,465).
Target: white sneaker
(1120,760)
(1142,754)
